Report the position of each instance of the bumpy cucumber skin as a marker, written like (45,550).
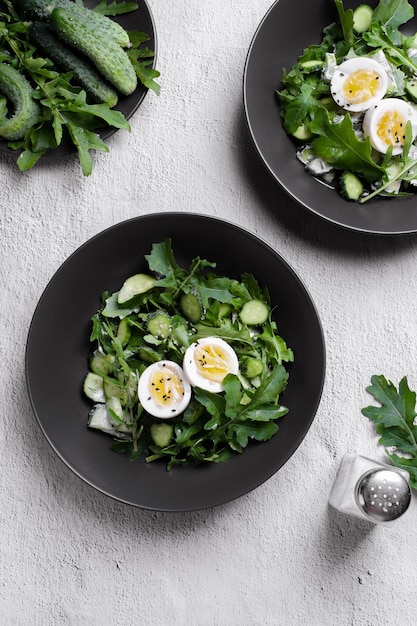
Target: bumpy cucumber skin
(19,91)
(40,10)
(109,57)
(37,9)
(67,60)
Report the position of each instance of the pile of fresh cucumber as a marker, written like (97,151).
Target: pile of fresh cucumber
(88,49)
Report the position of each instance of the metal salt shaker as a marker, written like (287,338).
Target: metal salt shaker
(370,490)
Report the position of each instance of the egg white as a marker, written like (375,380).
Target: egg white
(358,83)
(197,368)
(163,390)
(385,124)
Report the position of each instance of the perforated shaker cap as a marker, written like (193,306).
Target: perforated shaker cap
(383,495)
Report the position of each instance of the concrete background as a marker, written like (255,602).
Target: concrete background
(72,556)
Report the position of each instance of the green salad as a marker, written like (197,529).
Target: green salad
(349,103)
(186,365)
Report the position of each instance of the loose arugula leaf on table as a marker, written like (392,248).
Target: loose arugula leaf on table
(395,422)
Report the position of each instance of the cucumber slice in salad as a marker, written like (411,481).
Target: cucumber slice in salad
(191,307)
(362,17)
(161,433)
(94,388)
(134,286)
(254,312)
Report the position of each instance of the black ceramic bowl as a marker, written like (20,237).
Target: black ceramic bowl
(58,347)
(288,28)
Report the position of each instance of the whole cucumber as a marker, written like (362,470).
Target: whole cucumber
(20,93)
(41,10)
(77,30)
(69,61)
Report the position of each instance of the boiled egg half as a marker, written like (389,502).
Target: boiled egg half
(163,389)
(208,361)
(358,84)
(385,124)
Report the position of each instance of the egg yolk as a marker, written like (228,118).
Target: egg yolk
(391,128)
(361,86)
(166,387)
(212,362)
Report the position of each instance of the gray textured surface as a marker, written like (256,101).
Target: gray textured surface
(72,556)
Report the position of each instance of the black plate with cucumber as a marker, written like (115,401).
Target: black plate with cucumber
(72,74)
(278,44)
(138,321)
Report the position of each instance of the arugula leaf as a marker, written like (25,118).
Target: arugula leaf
(338,145)
(407,170)
(162,261)
(252,430)
(114,8)
(346,21)
(395,422)
(390,14)
(267,394)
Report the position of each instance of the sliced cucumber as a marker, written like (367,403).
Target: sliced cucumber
(410,86)
(313,65)
(254,312)
(123,331)
(99,419)
(114,406)
(351,186)
(161,433)
(159,326)
(253,368)
(101,364)
(191,307)
(94,387)
(362,17)
(225,309)
(112,389)
(134,286)
(303,132)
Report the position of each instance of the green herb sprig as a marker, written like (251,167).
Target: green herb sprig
(395,422)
